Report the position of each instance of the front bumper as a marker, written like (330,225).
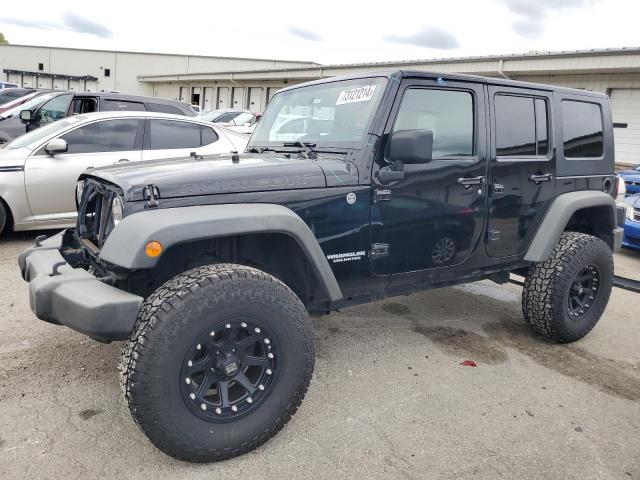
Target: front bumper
(631,234)
(73,297)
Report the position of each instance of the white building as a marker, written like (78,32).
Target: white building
(219,82)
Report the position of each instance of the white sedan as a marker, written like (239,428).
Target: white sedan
(38,170)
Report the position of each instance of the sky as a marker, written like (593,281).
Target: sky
(326,31)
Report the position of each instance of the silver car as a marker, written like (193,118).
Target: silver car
(38,170)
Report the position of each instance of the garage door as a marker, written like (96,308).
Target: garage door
(625,110)
(238,97)
(223,97)
(255,99)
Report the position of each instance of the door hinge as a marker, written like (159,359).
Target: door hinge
(382,195)
(379,250)
(493,235)
(151,193)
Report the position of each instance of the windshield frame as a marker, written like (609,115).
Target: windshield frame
(45,132)
(382,80)
(29,104)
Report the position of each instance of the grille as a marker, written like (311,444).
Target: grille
(94,212)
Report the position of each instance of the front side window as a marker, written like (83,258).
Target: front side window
(107,136)
(170,134)
(582,129)
(447,113)
(331,114)
(159,107)
(54,109)
(521,126)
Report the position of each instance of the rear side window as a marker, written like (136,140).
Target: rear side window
(521,126)
(169,134)
(106,136)
(447,113)
(582,129)
(112,105)
(158,107)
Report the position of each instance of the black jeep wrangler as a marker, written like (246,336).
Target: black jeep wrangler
(351,190)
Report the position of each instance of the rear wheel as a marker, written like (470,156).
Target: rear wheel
(564,297)
(221,358)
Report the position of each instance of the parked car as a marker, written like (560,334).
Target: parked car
(21,100)
(631,179)
(240,121)
(210,269)
(38,171)
(631,238)
(6,85)
(10,124)
(11,94)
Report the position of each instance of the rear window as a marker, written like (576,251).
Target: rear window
(582,129)
(521,126)
(158,107)
(111,105)
(170,134)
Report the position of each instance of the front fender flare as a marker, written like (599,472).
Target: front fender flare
(557,217)
(172,226)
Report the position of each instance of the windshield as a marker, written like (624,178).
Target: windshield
(243,118)
(335,114)
(211,115)
(34,102)
(35,135)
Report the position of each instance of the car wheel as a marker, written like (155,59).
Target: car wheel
(220,360)
(3,217)
(564,297)
(443,250)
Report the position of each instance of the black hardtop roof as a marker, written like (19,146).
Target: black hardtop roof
(453,77)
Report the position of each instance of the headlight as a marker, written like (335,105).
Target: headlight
(79,191)
(116,210)
(628,210)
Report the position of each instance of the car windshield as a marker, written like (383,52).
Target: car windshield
(211,115)
(34,102)
(36,135)
(244,117)
(332,114)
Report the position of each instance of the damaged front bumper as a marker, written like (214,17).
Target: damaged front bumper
(64,295)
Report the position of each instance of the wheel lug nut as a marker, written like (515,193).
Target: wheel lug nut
(233,349)
(257,330)
(249,400)
(243,325)
(234,408)
(203,406)
(267,341)
(187,380)
(198,347)
(190,363)
(212,333)
(192,396)
(270,355)
(228,325)
(218,411)
(260,387)
(269,372)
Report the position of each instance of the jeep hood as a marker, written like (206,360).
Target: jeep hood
(216,174)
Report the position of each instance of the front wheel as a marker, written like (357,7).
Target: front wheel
(220,360)
(564,297)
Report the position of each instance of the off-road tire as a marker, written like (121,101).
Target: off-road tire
(171,318)
(547,286)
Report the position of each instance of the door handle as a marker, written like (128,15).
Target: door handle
(468,182)
(538,179)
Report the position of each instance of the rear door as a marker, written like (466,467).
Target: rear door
(50,181)
(522,167)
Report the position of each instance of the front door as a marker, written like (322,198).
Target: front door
(522,170)
(50,180)
(433,217)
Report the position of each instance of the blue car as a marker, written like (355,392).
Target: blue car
(631,237)
(631,180)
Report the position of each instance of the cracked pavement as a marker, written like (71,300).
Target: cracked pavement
(389,398)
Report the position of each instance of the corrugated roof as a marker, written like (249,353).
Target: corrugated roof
(399,63)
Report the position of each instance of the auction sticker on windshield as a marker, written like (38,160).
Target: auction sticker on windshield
(353,95)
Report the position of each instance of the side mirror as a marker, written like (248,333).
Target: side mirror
(57,145)
(25,116)
(410,146)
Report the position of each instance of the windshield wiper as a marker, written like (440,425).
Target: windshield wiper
(307,148)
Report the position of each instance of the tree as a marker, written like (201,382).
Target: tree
(3,41)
